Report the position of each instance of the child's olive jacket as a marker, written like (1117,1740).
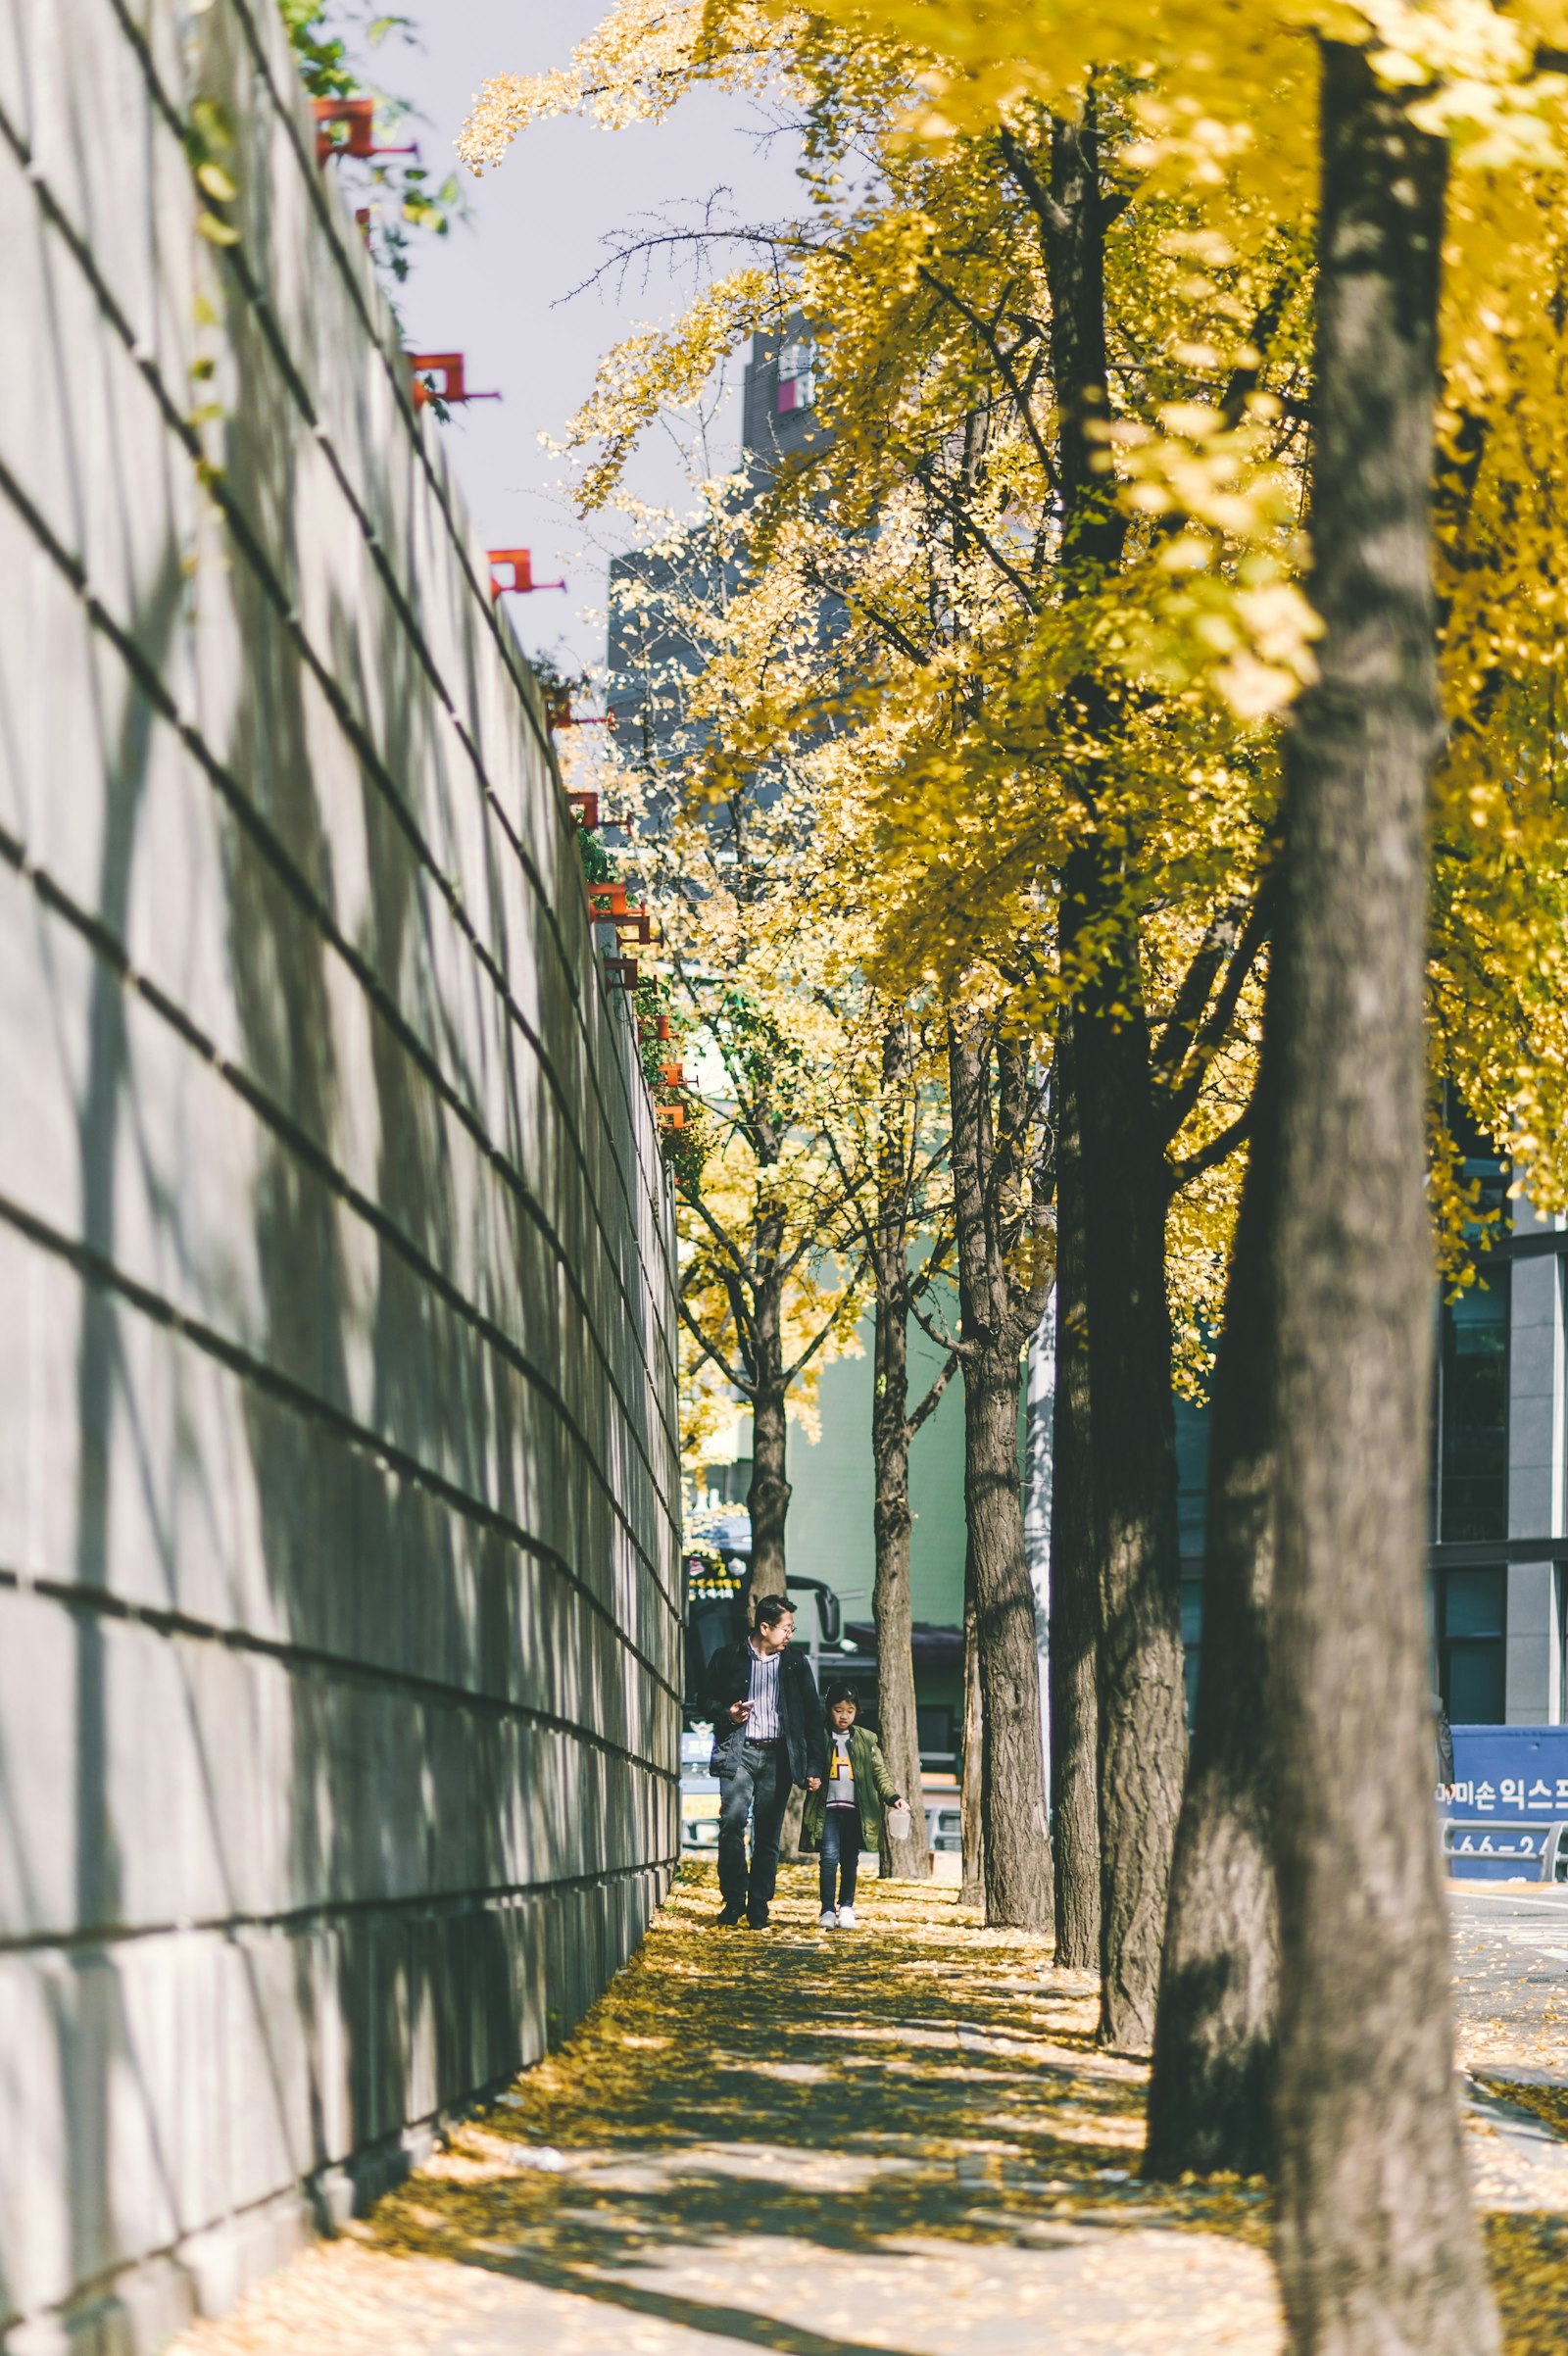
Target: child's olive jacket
(875,1788)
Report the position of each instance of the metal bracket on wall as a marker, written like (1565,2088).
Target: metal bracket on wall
(522,582)
(357,116)
(449,367)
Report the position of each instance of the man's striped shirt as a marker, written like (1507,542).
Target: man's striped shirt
(763,1725)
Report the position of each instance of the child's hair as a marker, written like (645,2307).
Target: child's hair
(840,1692)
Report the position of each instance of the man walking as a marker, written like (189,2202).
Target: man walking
(768,1736)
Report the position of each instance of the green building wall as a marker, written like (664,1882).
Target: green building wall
(831,1520)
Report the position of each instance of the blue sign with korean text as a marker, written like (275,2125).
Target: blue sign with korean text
(1510,1788)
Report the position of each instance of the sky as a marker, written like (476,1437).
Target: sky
(501,290)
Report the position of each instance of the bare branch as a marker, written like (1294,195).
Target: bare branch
(1183,1091)
(725,1242)
(962,518)
(933,1397)
(1181,1025)
(1002,360)
(742,1382)
(937,1333)
(808,1354)
(1218,1148)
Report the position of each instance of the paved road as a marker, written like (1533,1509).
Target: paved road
(1511,1961)
(1511,2005)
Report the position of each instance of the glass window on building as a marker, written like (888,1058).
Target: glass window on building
(797,379)
(1470,1439)
(937,1734)
(1470,1616)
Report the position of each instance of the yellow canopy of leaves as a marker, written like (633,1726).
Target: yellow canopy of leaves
(901,631)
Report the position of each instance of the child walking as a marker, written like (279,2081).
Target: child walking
(846,1815)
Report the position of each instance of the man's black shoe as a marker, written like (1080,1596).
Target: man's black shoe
(731,1914)
(758,1922)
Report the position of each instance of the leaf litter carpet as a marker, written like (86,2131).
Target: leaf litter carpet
(901,2138)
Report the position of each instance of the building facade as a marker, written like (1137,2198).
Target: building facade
(1498,1558)
(1498,1554)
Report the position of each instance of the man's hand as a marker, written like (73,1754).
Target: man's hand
(739,1711)
(814,1783)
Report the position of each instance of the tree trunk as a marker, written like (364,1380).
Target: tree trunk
(1211,2092)
(899,1725)
(1094,524)
(768,1497)
(972,1874)
(1012,1798)
(767,1501)
(901,1860)
(1074,1567)
(1142,1728)
(1143,1699)
(1377,2244)
(1039,1394)
(1012,1794)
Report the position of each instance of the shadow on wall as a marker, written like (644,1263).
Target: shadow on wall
(327,1746)
(94,2039)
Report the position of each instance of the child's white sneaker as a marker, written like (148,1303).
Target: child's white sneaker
(847,1918)
(827,1920)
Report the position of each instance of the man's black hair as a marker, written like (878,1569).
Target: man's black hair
(772,1609)
(840,1692)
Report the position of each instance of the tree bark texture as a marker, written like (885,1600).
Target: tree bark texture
(1094,525)
(767,1498)
(1075,1563)
(1016,1835)
(1013,1805)
(1210,2098)
(1141,1702)
(972,1871)
(899,1723)
(1142,1698)
(903,1860)
(1377,2244)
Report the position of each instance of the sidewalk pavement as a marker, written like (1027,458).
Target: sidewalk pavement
(900,2139)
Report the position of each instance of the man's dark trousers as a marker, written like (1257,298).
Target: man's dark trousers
(754,1778)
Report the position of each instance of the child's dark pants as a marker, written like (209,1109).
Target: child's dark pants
(841,1855)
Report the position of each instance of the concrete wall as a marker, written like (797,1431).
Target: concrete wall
(338,1603)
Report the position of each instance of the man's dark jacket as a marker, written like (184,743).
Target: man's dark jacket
(800,1712)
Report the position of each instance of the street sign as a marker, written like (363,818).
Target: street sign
(1510,1786)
